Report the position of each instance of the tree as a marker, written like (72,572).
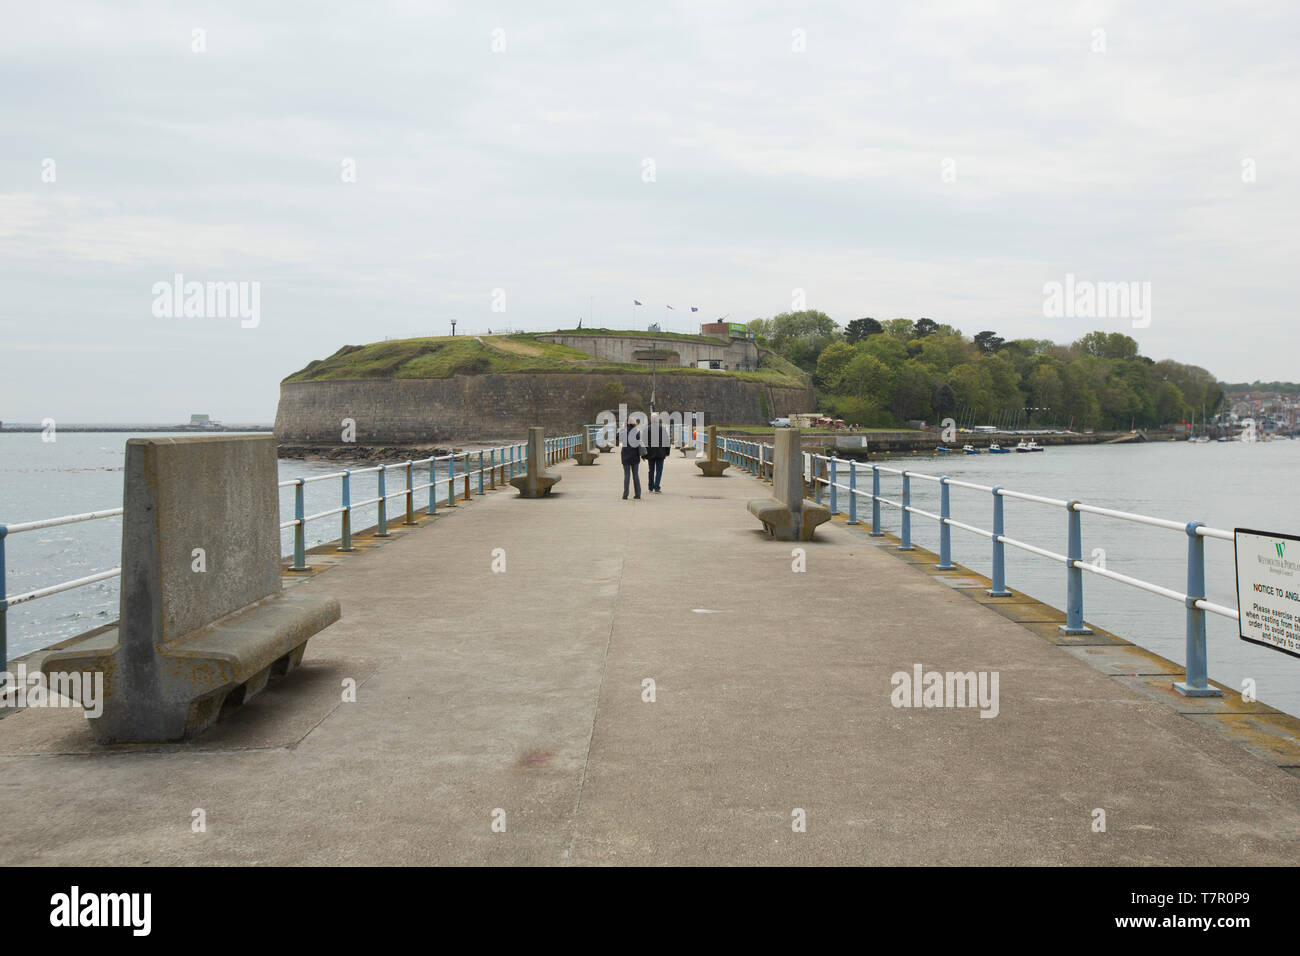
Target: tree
(925,327)
(869,377)
(859,329)
(912,392)
(1046,390)
(886,348)
(831,363)
(1111,345)
(902,329)
(941,352)
(1170,406)
(801,336)
(943,400)
(988,342)
(973,388)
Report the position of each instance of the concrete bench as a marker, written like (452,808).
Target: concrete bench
(536,483)
(203,622)
(585,454)
(787,515)
(712,466)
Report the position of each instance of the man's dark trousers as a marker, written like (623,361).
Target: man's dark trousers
(655,472)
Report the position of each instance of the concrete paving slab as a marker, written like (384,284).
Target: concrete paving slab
(1126,660)
(522,695)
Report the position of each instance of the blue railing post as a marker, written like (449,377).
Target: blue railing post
(853,491)
(999,588)
(1074,575)
(492,468)
(875,502)
(905,544)
(433,484)
(299,529)
(410,493)
(480,472)
(835,499)
(945,531)
(382,531)
(1197,683)
(4,606)
(346,543)
(451,481)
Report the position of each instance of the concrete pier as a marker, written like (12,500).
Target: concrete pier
(524,691)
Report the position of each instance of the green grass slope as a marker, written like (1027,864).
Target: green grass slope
(446,356)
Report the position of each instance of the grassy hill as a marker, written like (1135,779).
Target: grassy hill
(445,356)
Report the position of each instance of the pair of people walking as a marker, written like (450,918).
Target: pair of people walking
(652,443)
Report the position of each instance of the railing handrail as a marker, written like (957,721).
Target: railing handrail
(756,455)
(555,447)
(1202,530)
(55,522)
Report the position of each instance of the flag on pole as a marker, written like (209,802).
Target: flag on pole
(669,307)
(693,309)
(637,302)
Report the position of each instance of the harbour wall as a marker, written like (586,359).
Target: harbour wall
(424,412)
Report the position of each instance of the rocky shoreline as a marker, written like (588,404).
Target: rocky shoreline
(378,453)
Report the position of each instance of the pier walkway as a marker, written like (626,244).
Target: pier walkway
(522,691)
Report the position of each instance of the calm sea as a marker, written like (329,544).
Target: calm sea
(81,472)
(1224,485)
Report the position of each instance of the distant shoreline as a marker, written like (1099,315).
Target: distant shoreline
(83,428)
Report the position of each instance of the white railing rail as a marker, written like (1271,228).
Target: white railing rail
(486,466)
(824,473)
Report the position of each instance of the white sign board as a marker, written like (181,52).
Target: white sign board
(1268,589)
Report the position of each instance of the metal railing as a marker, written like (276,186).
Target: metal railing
(488,468)
(823,473)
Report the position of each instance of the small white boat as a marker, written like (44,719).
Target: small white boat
(1030,445)
(996,449)
(970,449)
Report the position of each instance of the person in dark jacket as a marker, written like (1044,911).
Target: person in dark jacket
(632,438)
(658,445)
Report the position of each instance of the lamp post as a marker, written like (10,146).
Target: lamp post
(453,326)
(654,369)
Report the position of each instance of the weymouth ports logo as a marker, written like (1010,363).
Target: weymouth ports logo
(1280,563)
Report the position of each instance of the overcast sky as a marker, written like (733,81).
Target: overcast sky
(794,147)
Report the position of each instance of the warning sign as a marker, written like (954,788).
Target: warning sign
(1268,588)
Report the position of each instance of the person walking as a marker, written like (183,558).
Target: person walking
(658,446)
(632,438)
